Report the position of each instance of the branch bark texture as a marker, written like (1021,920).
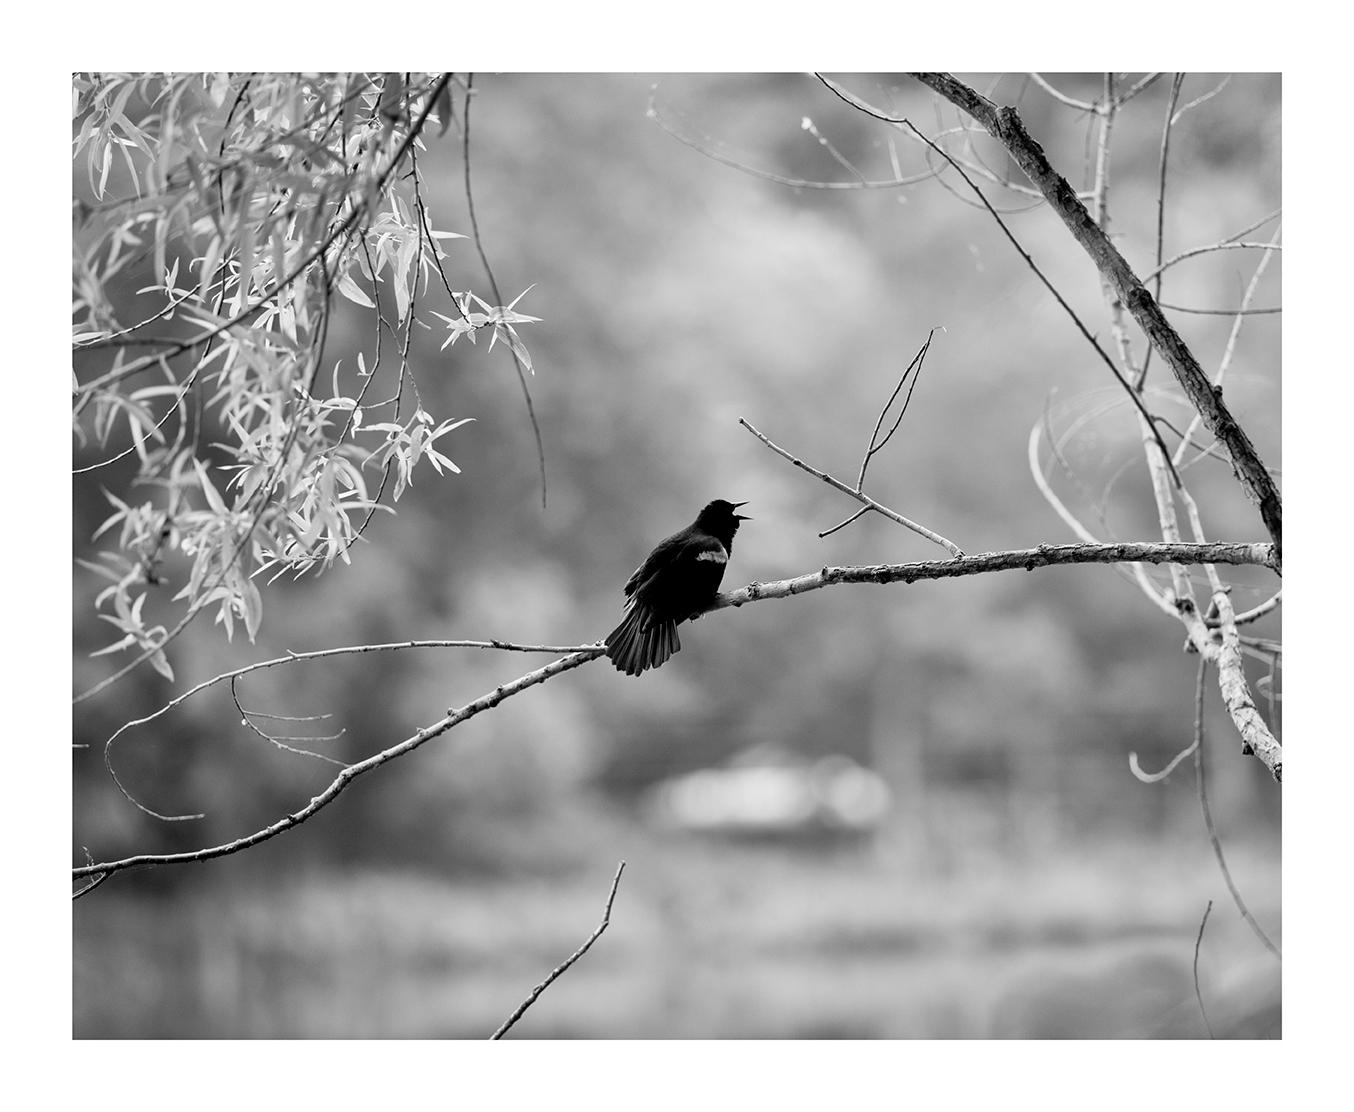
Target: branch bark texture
(1005,125)
(1255,735)
(1045,555)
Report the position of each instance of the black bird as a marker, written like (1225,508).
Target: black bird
(677,581)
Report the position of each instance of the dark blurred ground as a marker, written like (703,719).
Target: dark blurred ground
(1022,882)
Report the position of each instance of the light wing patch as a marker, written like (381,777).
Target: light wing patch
(714,555)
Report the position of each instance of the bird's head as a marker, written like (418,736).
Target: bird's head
(720,519)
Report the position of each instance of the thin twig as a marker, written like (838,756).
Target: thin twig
(1199,996)
(856,102)
(1253,227)
(1251,615)
(1061,98)
(843,524)
(1224,245)
(352,772)
(493,283)
(246,719)
(767,175)
(560,970)
(859,496)
(918,361)
(1226,360)
(875,444)
(1204,97)
(1162,161)
(292,658)
(1145,583)
(1141,84)
(1267,311)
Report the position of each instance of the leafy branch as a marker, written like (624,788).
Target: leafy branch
(283,191)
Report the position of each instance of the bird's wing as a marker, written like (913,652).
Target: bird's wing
(660,557)
(680,548)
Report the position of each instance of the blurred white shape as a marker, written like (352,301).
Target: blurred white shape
(856,796)
(790,795)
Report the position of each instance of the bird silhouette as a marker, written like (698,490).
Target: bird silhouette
(678,580)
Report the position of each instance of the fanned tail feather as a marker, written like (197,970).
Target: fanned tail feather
(641,641)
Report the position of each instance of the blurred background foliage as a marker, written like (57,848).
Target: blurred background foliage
(1019,880)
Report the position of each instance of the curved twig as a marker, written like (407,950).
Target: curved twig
(1199,996)
(1050,496)
(292,658)
(350,773)
(1061,98)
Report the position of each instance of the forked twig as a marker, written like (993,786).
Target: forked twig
(917,362)
(921,530)
(875,443)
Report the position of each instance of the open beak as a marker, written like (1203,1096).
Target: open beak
(740,517)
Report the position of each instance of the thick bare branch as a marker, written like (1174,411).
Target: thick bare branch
(1005,125)
(1046,555)
(1255,735)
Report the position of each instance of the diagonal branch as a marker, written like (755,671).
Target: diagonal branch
(1133,395)
(560,970)
(1005,125)
(350,773)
